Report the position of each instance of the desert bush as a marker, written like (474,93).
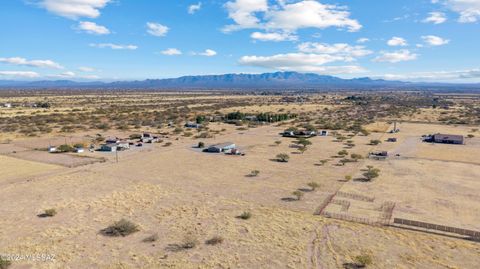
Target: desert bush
(214,240)
(168,144)
(201,145)
(363,260)
(245,215)
(356,157)
(65,148)
(375,142)
(189,241)
(122,227)
(4,264)
(135,136)
(283,157)
(278,142)
(298,195)
(313,185)
(371,173)
(151,238)
(254,173)
(50,212)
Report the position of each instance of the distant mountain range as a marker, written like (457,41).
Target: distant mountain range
(278,80)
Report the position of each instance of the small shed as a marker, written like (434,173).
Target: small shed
(323,133)
(109,147)
(52,149)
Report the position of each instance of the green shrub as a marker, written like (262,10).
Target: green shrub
(4,264)
(120,228)
(50,212)
(214,240)
(363,260)
(313,185)
(245,215)
(283,158)
(298,195)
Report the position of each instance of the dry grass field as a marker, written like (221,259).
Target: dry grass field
(180,198)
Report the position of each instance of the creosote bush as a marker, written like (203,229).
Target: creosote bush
(283,158)
(245,215)
(122,227)
(151,238)
(313,185)
(298,195)
(50,212)
(4,264)
(254,173)
(214,240)
(363,260)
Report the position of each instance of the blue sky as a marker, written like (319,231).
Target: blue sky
(427,40)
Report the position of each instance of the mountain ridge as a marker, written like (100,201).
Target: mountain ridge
(276,80)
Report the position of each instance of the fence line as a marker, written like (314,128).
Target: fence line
(354,196)
(442,228)
(324,204)
(347,217)
(344,203)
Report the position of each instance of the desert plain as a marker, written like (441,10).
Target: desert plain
(176,194)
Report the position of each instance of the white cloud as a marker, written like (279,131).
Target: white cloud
(301,62)
(72,75)
(67,74)
(34,63)
(350,53)
(273,36)
(287,17)
(396,56)
(208,53)
(21,74)
(93,28)
(435,40)
(363,40)
(397,41)
(171,52)
(114,46)
(86,69)
(438,75)
(194,8)
(74,9)
(436,18)
(157,29)
(242,12)
(469,10)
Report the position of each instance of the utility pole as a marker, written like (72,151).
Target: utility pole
(116,154)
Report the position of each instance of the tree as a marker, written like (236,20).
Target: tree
(201,145)
(371,173)
(298,195)
(303,142)
(283,157)
(313,185)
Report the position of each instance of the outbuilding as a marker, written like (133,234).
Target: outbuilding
(109,147)
(223,147)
